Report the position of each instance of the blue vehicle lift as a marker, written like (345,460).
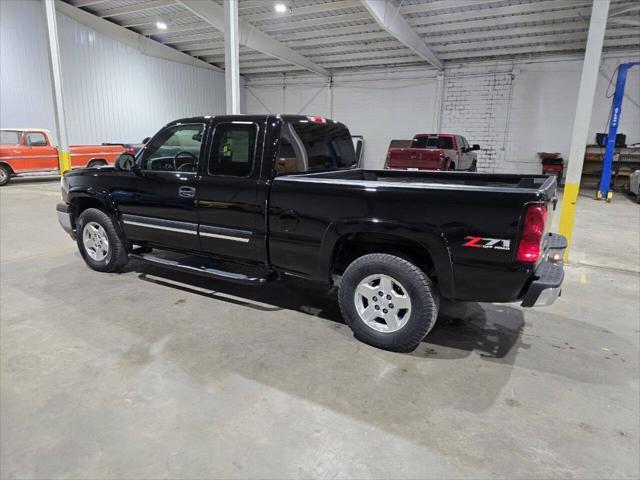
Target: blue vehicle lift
(616,110)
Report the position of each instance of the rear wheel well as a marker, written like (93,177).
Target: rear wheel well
(97,161)
(350,247)
(7,167)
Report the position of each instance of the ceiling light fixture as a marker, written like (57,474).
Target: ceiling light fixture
(281,8)
(161,25)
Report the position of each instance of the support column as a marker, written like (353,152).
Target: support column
(437,111)
(586,92)
(232,56)
(64,157)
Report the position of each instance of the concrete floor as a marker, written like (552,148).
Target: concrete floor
(149,374)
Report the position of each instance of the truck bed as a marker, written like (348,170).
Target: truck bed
(436,180)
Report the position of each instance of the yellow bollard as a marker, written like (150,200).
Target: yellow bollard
(64,162)
(568,213)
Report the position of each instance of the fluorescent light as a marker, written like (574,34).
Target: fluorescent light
(280,8)
(161,25)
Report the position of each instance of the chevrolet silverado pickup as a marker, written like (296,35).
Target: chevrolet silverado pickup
(432,151)
(275,195)
(29,150)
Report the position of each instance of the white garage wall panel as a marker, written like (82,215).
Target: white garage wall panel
(113,93)
(25,87)
(513,110)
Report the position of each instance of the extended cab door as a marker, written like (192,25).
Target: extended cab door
(157,202)
(231,201)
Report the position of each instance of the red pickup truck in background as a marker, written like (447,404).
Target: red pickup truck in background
(434,151)
(29,150)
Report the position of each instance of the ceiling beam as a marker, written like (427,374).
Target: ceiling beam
(250,36)
(316,22)
(508,21)
(620,10)
(626,21)
(138,7)
(390,19)
(315,8)
(137,22)
(171,29)
(144,45)
(86,3)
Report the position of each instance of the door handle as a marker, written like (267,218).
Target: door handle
(187,192)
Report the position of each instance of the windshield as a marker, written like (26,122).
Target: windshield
(9,137)
(433,142)
(308,146)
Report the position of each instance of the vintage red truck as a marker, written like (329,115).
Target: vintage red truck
(29,150)
(434,151)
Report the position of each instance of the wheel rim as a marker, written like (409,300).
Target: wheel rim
(95,240)
(382,303)
(3,175)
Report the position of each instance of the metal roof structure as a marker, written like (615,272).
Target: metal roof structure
(338,35)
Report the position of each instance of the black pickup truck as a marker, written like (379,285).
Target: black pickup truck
(275,195)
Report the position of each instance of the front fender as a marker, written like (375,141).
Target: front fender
(426,237)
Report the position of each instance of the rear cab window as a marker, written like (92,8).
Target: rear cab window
(313,146)
(435,141)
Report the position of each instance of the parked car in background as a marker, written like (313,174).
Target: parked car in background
(131,148)
(282,195)
(29,150)
(434,151)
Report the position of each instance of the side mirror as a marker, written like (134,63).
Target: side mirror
(125,162)
(146,139)
(475,147)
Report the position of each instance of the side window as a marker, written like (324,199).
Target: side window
(35,139)
(175,149)
(287,161)
(233,151)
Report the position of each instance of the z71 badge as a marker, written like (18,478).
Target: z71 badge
(483,242)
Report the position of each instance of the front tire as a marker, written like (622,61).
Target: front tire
(101,245)
(388,302)
(5,175)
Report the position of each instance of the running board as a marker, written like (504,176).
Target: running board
(205,271)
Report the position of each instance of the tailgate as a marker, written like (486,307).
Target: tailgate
(415,158)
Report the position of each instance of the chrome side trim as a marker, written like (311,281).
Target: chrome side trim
(170,229)
(225,237)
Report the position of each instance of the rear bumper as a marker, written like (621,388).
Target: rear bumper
(64,218)
(549,274)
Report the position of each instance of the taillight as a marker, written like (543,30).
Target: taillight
(130,150)
(530,247)
(317,119)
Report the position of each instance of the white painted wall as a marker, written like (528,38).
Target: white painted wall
(513,110)
(113,93)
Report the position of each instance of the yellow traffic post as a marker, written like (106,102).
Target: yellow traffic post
(590,67)
(64,161)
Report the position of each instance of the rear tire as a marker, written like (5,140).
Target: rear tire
(388,302)
(101,245)
(5,175)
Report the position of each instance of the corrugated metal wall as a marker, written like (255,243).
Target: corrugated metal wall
(113,93)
